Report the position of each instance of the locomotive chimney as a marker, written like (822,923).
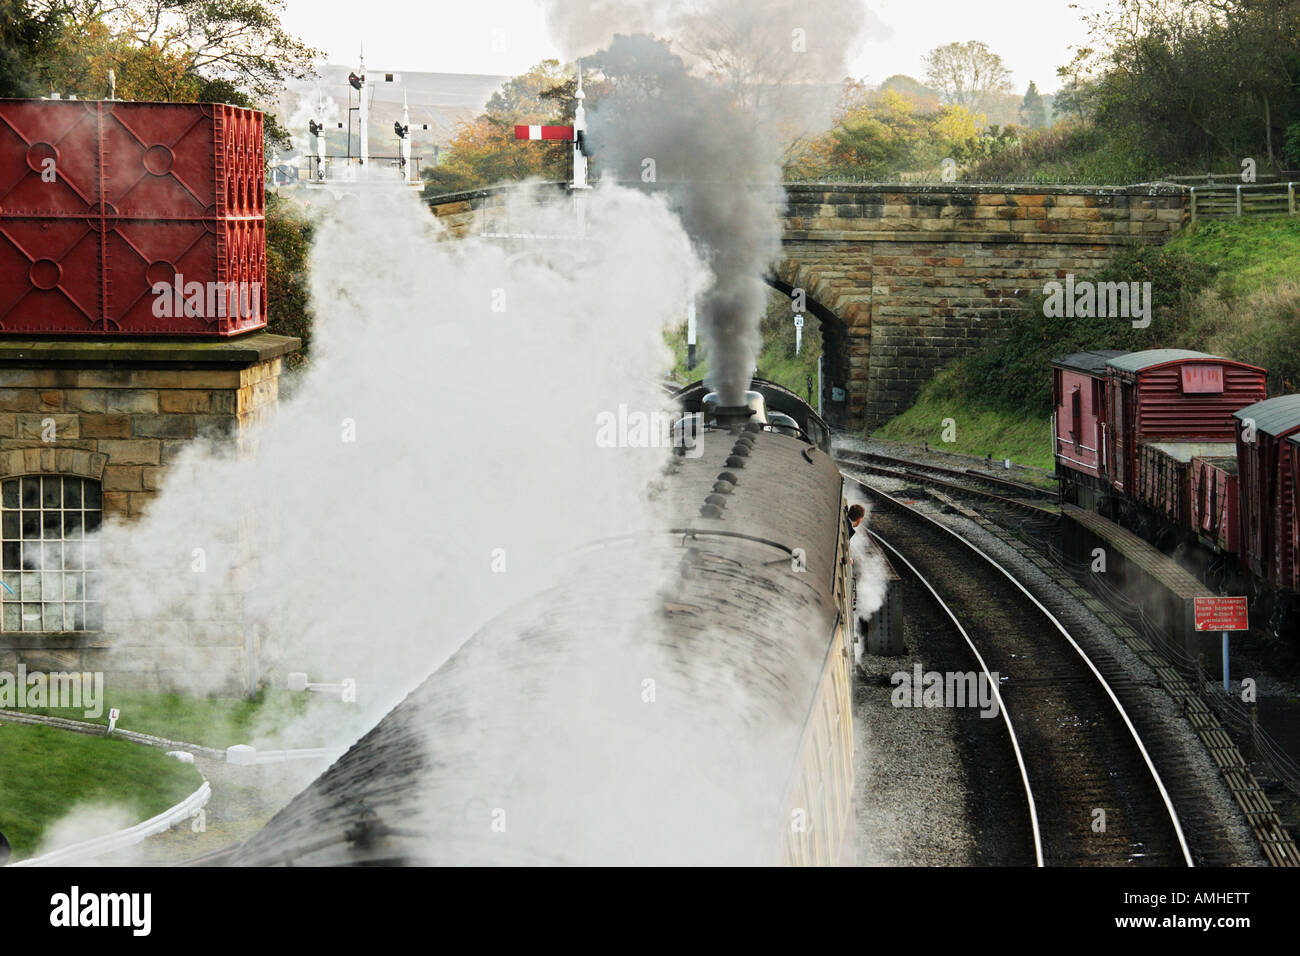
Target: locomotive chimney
(728,415)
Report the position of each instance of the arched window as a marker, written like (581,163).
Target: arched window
(51,573)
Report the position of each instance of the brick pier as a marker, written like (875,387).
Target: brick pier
(88,430)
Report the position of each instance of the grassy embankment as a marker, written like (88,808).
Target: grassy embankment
(213,721)
(45,773)
(1230,288)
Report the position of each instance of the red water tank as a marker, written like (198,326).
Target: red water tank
(131,218)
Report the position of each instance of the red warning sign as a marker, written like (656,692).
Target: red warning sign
(1221,614)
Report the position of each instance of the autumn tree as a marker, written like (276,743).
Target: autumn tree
(1192,82)
(27,36)
(886,134)
(239,42)
(921,95)
(484,150)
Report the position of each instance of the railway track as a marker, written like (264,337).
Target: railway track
(1005,486)
(1028,524)
(1092,792)
(1003,494)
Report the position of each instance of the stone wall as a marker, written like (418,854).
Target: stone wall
(918,276)
(120,412)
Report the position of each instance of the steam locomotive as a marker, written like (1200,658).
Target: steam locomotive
(704,719)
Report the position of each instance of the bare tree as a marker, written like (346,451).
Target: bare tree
(967,74)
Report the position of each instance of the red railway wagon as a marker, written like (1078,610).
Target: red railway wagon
(1171,396)
(1267,488)
(1079,424)
(1165,476)
(131,218)
(1293,443)
(1216,509)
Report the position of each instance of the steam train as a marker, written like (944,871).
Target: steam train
(705,719)
(1187,449)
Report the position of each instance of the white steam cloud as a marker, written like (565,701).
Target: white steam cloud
(437,458)
(872,577)
(89,821)
(709,115)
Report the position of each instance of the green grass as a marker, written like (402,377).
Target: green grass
(1228,287)
(45,773)
(208,721)
(979,430)
(1246,253)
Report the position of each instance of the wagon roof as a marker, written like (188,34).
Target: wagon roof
(1094,363)
(1141,361)
(1274,416)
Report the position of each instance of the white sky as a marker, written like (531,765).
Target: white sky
(508,36)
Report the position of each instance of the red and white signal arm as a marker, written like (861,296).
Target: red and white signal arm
(561,133)
(1221,614)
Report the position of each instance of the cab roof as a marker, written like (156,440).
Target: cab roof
(1093,363)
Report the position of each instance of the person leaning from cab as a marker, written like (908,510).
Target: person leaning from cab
(853,517)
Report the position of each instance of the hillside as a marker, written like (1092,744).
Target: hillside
(1230,288)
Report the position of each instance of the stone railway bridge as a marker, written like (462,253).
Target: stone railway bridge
(904,279)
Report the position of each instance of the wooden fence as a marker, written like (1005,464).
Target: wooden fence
(1227,201)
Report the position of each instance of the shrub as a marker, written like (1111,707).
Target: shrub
(1070,152)
(288,239)
(1014,371)
(1291,149)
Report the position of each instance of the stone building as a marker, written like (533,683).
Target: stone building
(88,429)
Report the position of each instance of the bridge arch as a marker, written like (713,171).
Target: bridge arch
(835,347)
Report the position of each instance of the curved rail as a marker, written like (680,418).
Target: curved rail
(912,471)
(1110,693)
(997,694)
